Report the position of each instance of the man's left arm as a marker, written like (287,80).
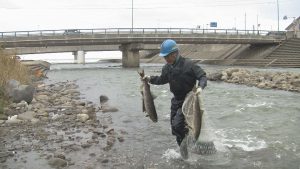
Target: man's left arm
(200,75)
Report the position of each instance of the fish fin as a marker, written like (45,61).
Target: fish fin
(144,108)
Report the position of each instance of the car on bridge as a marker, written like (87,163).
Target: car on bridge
(71,32)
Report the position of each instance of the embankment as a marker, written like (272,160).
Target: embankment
(288,81)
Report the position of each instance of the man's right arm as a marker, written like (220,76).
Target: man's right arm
(160,80)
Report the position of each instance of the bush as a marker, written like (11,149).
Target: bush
(11,68)
(2,99)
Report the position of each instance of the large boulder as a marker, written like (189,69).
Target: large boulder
(10,86)
(19,92)
(104,105)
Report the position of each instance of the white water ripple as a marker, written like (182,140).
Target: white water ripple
(171,154)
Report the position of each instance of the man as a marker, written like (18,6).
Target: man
(181,74)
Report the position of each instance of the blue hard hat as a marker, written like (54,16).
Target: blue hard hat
(167,47)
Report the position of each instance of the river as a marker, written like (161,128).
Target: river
(252,128)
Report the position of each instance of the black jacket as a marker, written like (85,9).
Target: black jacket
(181,77)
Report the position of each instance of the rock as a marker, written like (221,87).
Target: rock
(41,114)
(86,145)
(3,116)
(41,97)
(22,104)
(92,154)
(110,131)
(10,86)
(104,105)
(57,163)
(121,139)
(261,85)
(19,92)
(295,82)
(34,121)
(215,76)
(82,117)
(13,120)
(229,71)
(59,155)
(26,116)
(104,161)
(110,141)
(103,99)
(84,111)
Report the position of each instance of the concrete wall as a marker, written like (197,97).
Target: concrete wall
(221,52)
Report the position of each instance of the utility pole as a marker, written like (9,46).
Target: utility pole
(245,22)
(277,16)
(132,15)
(257,22)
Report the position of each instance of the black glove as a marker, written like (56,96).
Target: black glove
(203,82)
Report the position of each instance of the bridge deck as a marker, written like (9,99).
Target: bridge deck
(117,36)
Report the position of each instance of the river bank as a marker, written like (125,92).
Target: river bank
(288,81)
(55,129)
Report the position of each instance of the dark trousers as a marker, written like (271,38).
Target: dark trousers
(178,124)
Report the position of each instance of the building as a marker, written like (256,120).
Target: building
(294,27)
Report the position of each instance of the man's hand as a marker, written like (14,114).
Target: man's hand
(146,78)
(198,90)
(203,82)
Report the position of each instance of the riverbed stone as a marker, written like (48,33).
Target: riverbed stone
(22,92)
(3,116)
(82,117)
(26,116)
(41,97)
(296,82)
(261,79)
(57,163)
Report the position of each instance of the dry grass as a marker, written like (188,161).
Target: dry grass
(11,68)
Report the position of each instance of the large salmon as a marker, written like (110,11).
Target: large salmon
(197,119)
(194,113)
(147,97)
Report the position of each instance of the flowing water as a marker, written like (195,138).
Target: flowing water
(252,128)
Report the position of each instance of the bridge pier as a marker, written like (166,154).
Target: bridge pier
(79,57)
(130,54)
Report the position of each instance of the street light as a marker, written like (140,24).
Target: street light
(286,17)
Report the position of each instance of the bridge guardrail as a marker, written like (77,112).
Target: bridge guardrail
(69,32)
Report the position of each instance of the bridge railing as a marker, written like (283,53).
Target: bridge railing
(108,31)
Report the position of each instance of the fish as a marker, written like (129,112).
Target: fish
(199,136)
(197,119)
(147,98)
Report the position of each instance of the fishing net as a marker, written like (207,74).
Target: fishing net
(204,144)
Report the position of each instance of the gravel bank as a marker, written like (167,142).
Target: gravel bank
(58,129)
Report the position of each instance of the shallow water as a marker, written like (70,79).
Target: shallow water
(252,128)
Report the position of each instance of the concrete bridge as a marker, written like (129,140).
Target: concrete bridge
(129,41)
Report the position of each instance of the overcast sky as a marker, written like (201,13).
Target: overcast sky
(68,14)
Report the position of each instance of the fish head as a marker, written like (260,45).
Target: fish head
(141,72)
